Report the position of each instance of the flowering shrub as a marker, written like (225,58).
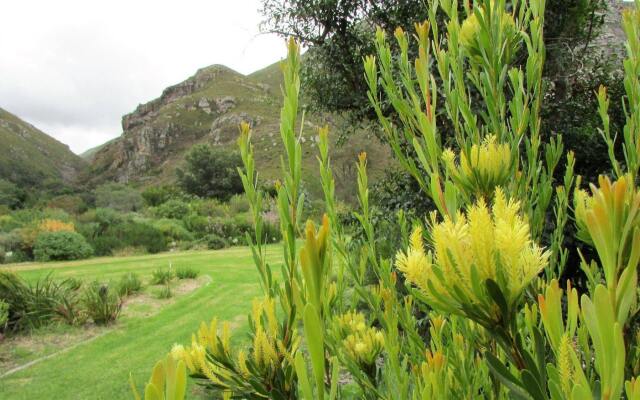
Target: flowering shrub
(472,306)
(53,225)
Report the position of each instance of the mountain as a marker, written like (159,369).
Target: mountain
(30,157)
(208,108)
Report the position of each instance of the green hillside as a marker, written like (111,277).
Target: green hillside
(207,108)
(32,158)
(88,154)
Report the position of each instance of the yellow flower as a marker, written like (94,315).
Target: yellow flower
(477,246)
(482,168)
(415,263)
(471,29)
(361,342)
(242,363)
(565,365)
(610,221)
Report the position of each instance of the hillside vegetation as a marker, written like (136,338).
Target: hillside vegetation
(32,158)
(208,108)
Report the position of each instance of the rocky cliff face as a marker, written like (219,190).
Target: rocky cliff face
(207,107)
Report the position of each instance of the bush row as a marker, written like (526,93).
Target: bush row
(171,223)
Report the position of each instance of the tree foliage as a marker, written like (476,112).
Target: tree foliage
(210,172)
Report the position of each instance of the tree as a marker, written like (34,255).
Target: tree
(11,195)
(118,197)
(339,33)
(210,172)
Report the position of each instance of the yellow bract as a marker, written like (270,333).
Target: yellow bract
(483,244)
(471,28)
(481,169)
(609,219)
(361,342)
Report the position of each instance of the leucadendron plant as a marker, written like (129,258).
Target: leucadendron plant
(473,304)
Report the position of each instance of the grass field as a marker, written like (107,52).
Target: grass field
(98,368)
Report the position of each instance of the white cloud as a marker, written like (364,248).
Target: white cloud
(72,68)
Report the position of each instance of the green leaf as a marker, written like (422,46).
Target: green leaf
(532,385)
(498,298)
(505,376)
(181,381)
(158,376)
(303,377)
(335,377)
(132,384)
(315,340)
(151,392)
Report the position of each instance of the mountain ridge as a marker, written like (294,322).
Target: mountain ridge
(33,158)
(207,108)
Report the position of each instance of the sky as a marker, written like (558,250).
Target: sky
(73,68)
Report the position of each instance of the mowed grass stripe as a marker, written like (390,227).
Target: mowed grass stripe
(100,368)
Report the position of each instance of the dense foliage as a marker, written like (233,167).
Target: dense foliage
(175,221)
(61,246)
(210,172)
(471,305)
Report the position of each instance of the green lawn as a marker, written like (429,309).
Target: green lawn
(99,368)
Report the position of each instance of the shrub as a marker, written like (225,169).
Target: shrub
(187,273)
(174,209)
(4,314)
(118,197)
(129,284)
(69,203)
(106,244)
(210,208)
(54,225)
(147,236)
(165,292)
(155,195)
(35,305)
(197,224)
(62,245)
(238,204)
(161,276)
(215,242)
(103,305)
(173,229)
(472,306)
(272,233)
(11,195)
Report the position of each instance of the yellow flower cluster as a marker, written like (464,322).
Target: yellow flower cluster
(483,244)
(265,344)
(54,225)
(267,351)
(482,168)
(470,31)
(609,219)
(361,342)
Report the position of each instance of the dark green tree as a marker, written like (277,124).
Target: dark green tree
(11,195)
(211,172)
(339,33)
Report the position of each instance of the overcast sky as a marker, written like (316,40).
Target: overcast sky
(73,68)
